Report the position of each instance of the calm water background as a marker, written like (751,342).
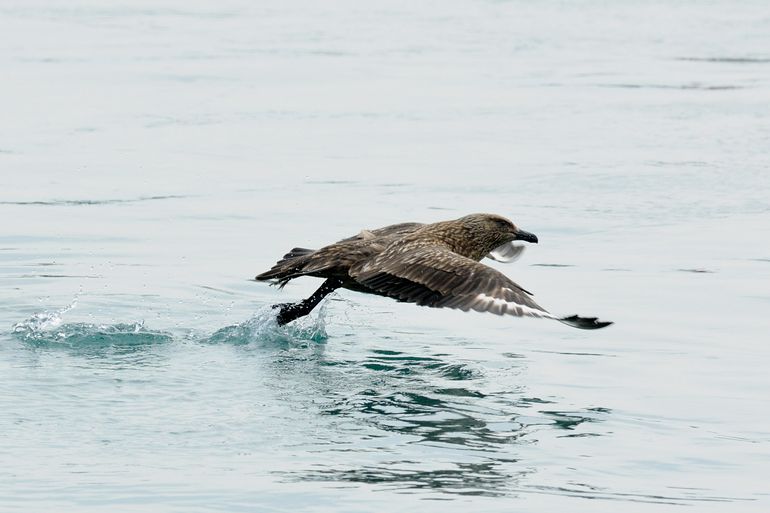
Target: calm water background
(156,155)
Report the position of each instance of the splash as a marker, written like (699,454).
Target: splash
(48,329)
(263,328)
(44,321)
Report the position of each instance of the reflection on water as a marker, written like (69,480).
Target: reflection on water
(427,424)
(457,435)
(485,478)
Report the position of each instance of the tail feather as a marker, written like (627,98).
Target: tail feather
(584,323)
(287,268)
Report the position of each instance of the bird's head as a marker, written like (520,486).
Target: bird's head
(490,231)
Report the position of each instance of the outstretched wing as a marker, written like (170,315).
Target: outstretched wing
(436,277)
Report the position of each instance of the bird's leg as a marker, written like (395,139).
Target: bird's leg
(290,311)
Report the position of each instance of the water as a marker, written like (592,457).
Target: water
(155,156)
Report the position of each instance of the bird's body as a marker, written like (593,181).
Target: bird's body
(436,265)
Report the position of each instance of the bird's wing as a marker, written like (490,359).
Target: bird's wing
(385,231)
(508,252)
(337,256)
(432,275)
(437,277)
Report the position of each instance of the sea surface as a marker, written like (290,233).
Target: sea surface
(156,155)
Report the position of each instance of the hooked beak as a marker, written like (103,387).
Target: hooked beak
(526,236)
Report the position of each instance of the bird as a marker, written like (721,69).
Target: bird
(436,265)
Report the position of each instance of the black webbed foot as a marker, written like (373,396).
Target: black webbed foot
(290,311)
(287,312)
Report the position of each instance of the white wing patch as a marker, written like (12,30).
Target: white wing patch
(499,306)
(508,252)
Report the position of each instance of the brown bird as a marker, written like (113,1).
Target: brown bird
(435,265)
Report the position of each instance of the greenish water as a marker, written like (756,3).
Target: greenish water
(155,156)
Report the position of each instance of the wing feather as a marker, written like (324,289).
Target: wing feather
(432,275)
(386,231)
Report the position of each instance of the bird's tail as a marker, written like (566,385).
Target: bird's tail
(584,323)
(287,268)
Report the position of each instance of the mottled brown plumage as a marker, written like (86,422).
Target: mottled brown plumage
(434,265)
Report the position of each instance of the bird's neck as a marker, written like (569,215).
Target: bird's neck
(459,239)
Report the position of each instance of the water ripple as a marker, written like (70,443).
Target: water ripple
(591,492)
(484,478)
(728,60)
(90,202)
